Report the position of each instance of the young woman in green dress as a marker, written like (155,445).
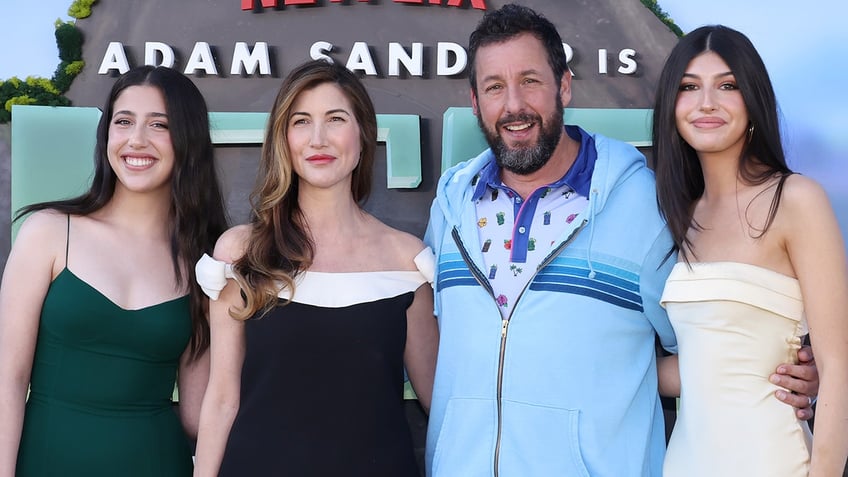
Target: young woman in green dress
(99,309)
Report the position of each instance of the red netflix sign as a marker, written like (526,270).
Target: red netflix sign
(251,4)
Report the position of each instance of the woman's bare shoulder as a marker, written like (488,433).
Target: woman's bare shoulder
(47,224)
(804,209)
(402,247)
(232,243)
(42,236)
(803,196)
(798,186)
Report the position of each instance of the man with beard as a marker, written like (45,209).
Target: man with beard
(552,257)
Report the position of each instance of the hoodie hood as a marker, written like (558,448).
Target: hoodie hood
(616,161)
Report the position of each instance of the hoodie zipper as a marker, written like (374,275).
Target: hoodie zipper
(478,275)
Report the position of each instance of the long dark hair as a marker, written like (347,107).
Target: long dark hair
(680,180)
(197,207)
(508,22)
(279,246)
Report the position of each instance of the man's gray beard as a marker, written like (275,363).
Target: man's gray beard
(525,160)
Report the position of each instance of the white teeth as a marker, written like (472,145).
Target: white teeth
(518,128)
(138,161)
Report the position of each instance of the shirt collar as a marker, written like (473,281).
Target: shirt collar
(578,176)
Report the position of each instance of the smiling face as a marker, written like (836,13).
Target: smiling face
(139,145)
(710,112)
(519,103)
(323,137)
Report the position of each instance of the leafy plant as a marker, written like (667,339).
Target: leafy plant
(50,92)
(663,16)
(33,90)
(69,41)
(81,8)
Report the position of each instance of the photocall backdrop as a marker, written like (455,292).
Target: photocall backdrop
(409,53)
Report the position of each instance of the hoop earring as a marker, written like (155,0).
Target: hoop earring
(750,131)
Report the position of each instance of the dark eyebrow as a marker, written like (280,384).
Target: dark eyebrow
(331,111)
(531,71)
(690,75)
(130,113)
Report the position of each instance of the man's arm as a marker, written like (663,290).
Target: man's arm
(801,381)
(669,376)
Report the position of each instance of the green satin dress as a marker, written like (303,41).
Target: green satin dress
(101,387)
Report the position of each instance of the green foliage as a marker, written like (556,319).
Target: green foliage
(13,82)
(49,92)
(69,41)
(8,90)
(18,100)
(40,90)
(33,90)
(65,74)
(61,79)
(43,83)
(663,16)
(81,8)
(74,68)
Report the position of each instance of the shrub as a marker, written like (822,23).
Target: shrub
(81,8)
(49,92)
(69,41)
(663,16)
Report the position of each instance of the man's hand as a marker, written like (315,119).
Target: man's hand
(801,383)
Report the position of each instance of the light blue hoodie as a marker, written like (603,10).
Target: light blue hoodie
(568,385)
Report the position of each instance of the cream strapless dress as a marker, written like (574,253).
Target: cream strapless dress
(735,323)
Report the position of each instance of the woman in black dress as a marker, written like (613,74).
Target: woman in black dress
(317,306)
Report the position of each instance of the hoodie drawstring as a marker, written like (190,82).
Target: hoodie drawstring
(591,233)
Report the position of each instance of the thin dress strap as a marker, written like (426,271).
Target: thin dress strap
(67,240)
